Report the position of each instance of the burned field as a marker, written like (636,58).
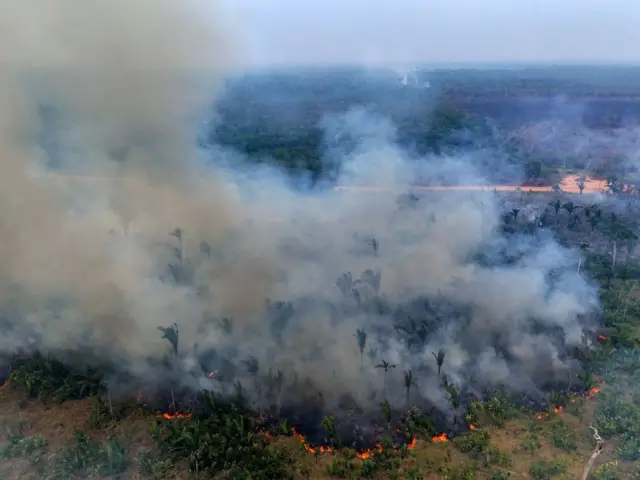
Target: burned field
(385,368)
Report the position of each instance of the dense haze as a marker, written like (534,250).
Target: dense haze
(90,266)
(448,32)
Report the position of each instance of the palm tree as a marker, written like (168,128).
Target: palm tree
(361,337)
(385,366)
(439,359)
(173,336)
(227,325)
(374,246)
(345,283)
(408,383)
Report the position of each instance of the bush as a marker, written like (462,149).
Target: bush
(21,446)
(606,471)
(91,459)
(546,470)
(47,378)
(224,441)
(562,436)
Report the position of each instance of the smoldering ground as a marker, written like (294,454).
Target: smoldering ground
(268,286)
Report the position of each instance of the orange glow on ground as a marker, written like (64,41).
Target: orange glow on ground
(440,438)
(569,184)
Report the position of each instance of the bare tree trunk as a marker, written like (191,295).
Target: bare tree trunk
(614,255)
(173,402)
(597,451)
(592,459)
(110,404)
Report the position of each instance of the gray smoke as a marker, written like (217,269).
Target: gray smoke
(89,265)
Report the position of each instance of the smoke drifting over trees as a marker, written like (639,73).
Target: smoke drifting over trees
(260,279)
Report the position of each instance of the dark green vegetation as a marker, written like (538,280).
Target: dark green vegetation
(282,117)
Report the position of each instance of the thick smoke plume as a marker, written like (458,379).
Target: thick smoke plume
(258,278)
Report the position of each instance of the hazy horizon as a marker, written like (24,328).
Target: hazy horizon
(458,32)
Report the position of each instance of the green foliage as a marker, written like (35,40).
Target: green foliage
(342,467)
(543,470)
(475,441)
(466,471)
(225,441)
(606,471)
(386,460)
(17,445)
(331,431)
(497,410)
(562,436)
(454,396)
(531,444)
(475,411)
(154,467)
(49,379)
(102,413)
(418,423)
(500,475)
(90,459)
(619,417)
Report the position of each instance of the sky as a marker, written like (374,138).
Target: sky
(320,32)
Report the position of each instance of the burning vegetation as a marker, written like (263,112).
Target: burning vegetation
(234,310)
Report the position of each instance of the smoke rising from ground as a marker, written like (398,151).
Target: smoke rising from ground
(90,265)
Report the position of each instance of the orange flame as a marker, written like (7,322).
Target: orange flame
(592,393)
(369,453)
(602,337)
(307,447)
(557,409)
(211,374)
(170,416)
(472,426)
(440,438)
(327,449)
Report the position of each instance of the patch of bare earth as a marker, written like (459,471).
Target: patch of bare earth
(59,423)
